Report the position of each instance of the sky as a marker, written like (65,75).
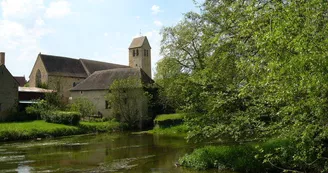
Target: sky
(100,30)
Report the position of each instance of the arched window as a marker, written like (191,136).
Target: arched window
(38,82)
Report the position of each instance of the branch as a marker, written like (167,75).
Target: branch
(284,168)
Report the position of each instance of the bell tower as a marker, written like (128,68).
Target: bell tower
(140,54)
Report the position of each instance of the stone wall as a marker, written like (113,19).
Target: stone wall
(97,98)
(44,75)
(63,85)
(8,92)
(141,61)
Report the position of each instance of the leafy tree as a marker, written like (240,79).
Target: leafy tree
(84,106)
(129,102)
(262,73)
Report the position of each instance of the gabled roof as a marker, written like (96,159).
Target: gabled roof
(63,66)
(21,80)
(101,80)
(82,68)
(91,66)
(139,42)
(2,66)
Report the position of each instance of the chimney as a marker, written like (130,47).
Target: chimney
(2,58)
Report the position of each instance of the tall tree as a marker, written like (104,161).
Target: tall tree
(262,73)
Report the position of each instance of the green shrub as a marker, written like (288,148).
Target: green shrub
(243,158)
(177,131)
(61,117)
(238,158)
(168,120)
(84,106)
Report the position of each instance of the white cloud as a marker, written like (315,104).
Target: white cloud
(106,34)
(158,23)
(21,8)
(155,9)
(137,17)
(58,9)
(39,22)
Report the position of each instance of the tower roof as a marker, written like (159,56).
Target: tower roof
(138,42)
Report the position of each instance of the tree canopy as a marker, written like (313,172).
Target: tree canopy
(253,70)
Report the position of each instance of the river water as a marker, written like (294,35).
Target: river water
(116,152)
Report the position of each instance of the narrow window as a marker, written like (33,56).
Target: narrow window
(74,84)
(134,52)
(38,78)
(136,65)
(137,52)
(145,52)
(81,92)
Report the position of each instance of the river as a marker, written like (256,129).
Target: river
(116,152)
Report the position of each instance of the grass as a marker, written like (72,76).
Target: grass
(169,125)
(165,117)
(41,129)
(178,131)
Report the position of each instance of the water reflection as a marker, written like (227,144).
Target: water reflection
(96,153)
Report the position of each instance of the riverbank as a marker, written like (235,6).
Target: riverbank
(41,129)
(170,125)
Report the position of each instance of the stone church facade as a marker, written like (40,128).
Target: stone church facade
(82,78)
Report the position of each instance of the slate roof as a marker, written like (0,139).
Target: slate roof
(92,66)
(82,68)
(21,80)
(63,66)
(138,42)
(101,80)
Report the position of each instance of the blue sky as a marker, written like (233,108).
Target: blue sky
(93,29)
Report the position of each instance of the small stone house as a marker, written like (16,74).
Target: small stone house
(8,89)
(96,87)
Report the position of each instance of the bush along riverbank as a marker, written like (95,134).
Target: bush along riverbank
(249,158)
(170,125)
(41,129)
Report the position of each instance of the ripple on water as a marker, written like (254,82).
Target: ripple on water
(11,158)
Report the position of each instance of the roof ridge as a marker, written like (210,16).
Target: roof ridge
(100,61)
(56,56)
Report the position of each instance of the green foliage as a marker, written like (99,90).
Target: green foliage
(255,69)
(84,106)
(34,129)
(167,120)
(129,102)
(54,100)
(173,130)
(164,117)
(38,108)
(61,117)
(238,158)
(42,85)
(42,129)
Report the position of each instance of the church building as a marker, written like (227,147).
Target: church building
(82,78)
